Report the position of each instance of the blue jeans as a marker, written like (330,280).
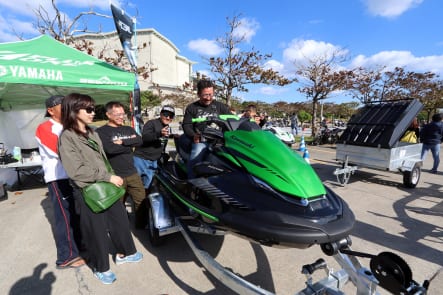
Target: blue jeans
(67,222)
(435,150)
(198,153)
(294,129)
(146,170)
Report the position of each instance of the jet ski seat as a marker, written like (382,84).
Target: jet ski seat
(183,145)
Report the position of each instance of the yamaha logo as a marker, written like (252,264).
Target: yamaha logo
(3,71)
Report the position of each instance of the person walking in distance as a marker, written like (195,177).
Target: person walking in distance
(431,136)
(81,152)
(66,220)
(118,142)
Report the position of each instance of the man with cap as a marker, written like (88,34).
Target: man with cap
(66,227)
(154,133)
(431,135)
(118,142)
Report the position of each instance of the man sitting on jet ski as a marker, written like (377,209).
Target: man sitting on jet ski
(206,106)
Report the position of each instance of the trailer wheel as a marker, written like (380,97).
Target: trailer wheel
(411,178)
(153,233)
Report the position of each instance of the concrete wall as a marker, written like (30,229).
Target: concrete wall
(172,70)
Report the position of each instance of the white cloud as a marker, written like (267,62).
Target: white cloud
(24,7)
(247,29)
(299,50)
(271,91)
(11,29)
(390,8)
(275,65)
(205,47)
(405,59)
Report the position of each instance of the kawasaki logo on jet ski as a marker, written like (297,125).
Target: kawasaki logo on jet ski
(239,140)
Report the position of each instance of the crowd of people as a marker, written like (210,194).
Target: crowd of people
(75,155)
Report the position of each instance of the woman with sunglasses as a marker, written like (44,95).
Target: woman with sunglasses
(82,155)
(153,133)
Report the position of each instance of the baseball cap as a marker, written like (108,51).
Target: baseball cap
(168,108)
(52,102)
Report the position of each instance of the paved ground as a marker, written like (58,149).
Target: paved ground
(390,217)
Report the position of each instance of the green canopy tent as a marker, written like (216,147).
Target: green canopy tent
(32,70)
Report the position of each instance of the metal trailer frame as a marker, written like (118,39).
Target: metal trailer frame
(162,222)
(404,158)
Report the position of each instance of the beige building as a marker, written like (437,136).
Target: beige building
(155,51)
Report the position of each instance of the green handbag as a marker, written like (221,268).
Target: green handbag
(101,195)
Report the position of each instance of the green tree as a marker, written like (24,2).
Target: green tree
(319,78)
(149,99)
(304,117)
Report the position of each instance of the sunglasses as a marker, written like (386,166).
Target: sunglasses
(89,109)
(167,115)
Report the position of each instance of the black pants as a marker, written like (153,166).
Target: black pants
(102,230)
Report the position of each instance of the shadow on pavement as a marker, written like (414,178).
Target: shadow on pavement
(176,249)
(34,284)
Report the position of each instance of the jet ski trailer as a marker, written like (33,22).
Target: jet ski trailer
(372,139)
(387,269)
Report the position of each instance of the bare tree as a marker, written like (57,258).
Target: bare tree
(59,26)
(68,30)
(364,84)
(238,68)
(319,78)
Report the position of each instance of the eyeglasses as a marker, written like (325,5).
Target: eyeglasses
(167,115)
(207,95)
(89,109)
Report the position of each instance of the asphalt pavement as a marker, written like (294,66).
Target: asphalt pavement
(390,217)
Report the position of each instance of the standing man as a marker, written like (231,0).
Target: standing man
(431,136)
(154,133)
(204,107)
(118,142)
(66,228)
(294,124)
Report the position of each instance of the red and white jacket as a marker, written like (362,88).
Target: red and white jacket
(47,135)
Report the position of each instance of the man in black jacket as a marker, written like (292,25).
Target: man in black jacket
(153,135)
(431,136)
(118,143)
(204,107)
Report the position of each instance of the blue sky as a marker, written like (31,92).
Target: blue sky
(393,33)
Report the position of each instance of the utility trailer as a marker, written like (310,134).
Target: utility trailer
(372,140)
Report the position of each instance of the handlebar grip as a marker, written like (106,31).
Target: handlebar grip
(310,268)
(198,120)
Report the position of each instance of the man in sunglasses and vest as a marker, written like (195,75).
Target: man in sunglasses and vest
(153,135)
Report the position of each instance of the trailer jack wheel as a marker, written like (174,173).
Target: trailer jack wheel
(411,178)
(343,178)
